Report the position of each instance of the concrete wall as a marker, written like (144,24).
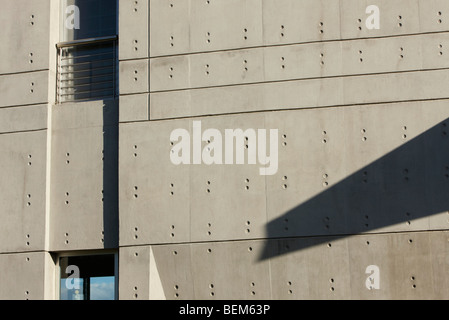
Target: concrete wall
(362,179)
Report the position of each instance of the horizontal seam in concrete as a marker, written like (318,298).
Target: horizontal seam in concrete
(337,236)
(301,79)
(289,109)
(288,44)
(23,131)
(23,72)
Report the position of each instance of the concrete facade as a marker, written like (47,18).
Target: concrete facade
(363,157)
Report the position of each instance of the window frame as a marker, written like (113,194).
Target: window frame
(82,253)
(97,40)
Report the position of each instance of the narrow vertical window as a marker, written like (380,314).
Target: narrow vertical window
(90,277)
(87,53)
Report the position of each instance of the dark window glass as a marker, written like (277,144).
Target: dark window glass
(97,18)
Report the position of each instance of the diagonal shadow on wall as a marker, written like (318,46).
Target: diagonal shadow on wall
(395,191)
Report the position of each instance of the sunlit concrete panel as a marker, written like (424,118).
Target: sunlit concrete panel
(154,192)
(374,168)
(23,276)
(169,27)
(358,18)
(23,178)
(218,25)
(230,270)
(291,21)
(23,118)
(133,29)
(228,196)
(134,76)
(134,273)
(134,107)
(298,271)
(24,88)
(247,98)
(25,35)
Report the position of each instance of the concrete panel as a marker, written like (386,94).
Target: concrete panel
(311,161)
(175,264)
(169,27)
(396,87)
(247,98)
(24,88)
(25,36)
(134,76)
(22,276)
(303,61)
(298,271)
(396,18)
(218,25)
(84,187)
(169,73)
(22,200)
(300,61)
(230,270)
(134,108)
(23,118)
(154,193)
(133,29)
(88,114)
(343,172)
(407,271)
(432,15)
(213,215)
(300,21)
(134,274)
(301,94)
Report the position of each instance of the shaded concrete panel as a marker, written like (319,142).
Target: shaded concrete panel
(154,193)
(25,35)
(22,276)
(24,88)
(84,186)
(23,179)
(133,29)
(23,118)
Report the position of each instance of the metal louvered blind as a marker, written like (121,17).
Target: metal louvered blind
(87,69)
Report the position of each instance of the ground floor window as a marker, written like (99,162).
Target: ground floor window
(88,277)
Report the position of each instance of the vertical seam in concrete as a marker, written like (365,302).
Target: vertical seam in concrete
(265,126)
